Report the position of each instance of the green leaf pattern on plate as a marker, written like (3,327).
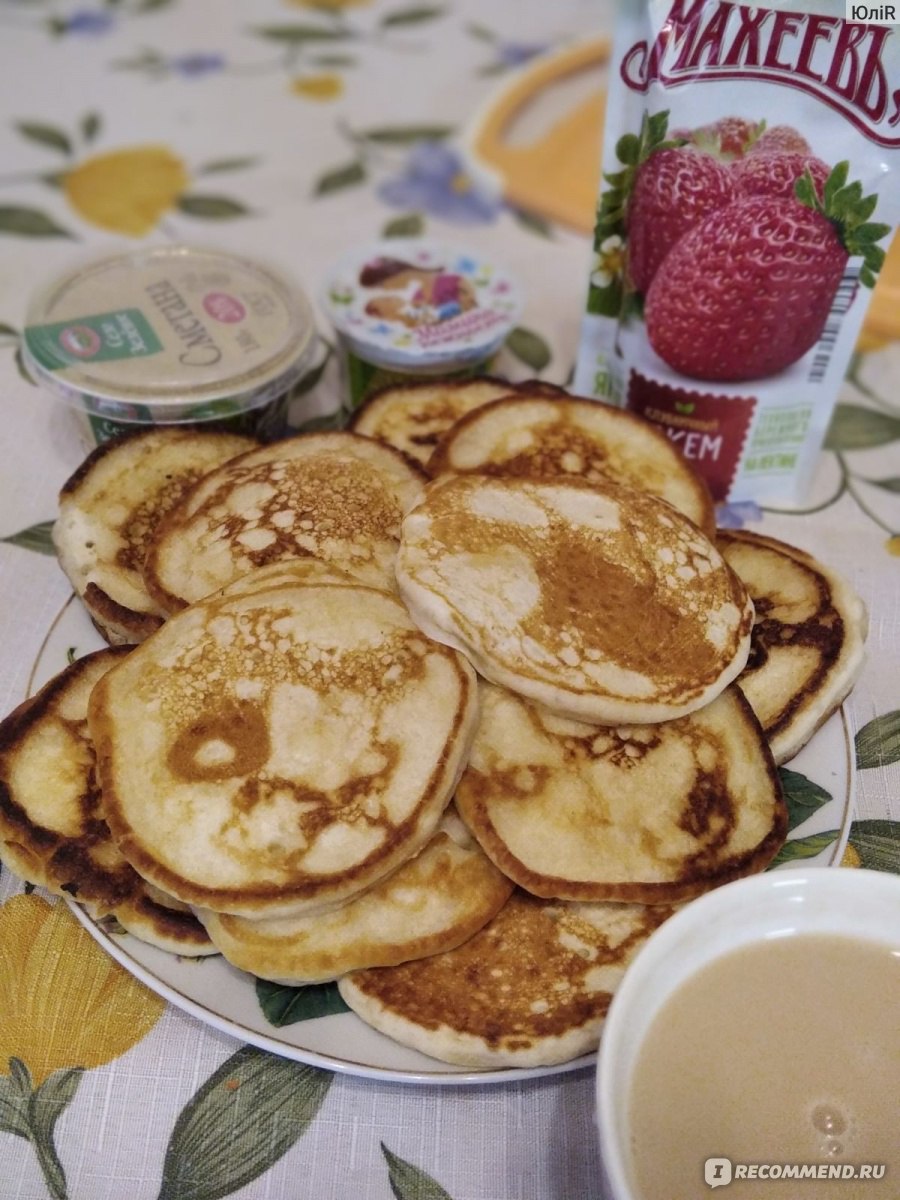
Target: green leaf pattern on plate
(802,796)
(285,1005)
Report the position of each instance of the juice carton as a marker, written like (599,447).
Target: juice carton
(749,190)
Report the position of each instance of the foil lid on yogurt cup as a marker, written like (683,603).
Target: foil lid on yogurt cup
(169,333)
(409,303)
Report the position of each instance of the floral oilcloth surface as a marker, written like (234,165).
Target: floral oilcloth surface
(292,130)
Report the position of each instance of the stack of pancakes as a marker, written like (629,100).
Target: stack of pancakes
(457,733)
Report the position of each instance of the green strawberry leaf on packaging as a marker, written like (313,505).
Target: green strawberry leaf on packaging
(632,151)
(801,795)
(848,210)
(241,1121)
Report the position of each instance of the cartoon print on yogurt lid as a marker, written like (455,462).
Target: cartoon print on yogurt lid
(413,303)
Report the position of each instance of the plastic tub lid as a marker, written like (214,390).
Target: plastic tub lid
(410,303)
(168,330)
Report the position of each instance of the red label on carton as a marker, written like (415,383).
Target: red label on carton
(708,429)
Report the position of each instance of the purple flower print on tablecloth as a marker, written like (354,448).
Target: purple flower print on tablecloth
(87,21)
(736,516)
(436,181)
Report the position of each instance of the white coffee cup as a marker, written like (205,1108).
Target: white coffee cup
(859,904)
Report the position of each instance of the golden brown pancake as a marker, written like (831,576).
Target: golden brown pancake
(281,751)
(603,603)
(530,989)
(414,416)
(109,509)
(648,813)
(431,903)
(537,437)
(808,639)
(291,571)
(52,827)
(337,496)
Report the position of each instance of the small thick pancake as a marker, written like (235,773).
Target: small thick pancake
(162,921)
(338,496)
(808,639)
(650,813)
(430,904)
(530,989)
(577,439)
(601,602)
(413,417)
(52,828)
(109,509)
(281,751)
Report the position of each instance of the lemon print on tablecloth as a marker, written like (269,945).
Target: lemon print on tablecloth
(318,87)
(66,1006)
(126,191)
(65,1002)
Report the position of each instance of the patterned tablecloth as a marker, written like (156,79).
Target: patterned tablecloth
(291,130)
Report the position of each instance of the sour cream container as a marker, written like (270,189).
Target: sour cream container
(407,308)
(170,335)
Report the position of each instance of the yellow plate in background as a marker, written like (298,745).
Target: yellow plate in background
(541,133)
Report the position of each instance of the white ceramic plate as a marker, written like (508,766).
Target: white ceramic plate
(214,992)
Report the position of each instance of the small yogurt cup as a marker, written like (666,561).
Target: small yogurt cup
(412,308)
(170,335)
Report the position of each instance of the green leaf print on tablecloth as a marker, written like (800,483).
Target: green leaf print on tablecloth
(241,1121)
(878,742)
(877,843)
(127,190)
(529,348)
(36,537)
(409,1182)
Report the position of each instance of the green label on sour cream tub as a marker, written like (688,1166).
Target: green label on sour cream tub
(123,333)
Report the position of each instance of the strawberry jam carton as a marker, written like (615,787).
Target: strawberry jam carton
(749,189)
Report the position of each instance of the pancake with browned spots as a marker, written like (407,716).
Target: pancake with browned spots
(808,639)
(281,751)
(432,903)
(531,989)
(337,496)
(291,572)
(539,437)
(109,510)
(414,416)
(648,813)
(52,827)
(601,602)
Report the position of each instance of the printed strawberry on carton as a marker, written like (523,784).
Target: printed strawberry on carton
(747,291)
(696,172)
